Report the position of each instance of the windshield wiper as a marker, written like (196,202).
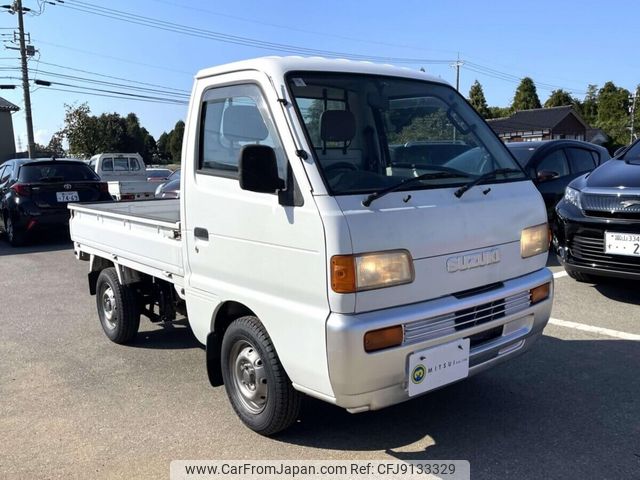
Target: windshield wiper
(425,176)
(486,176)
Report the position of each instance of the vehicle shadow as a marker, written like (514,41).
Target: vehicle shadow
(174,336)
(625,291)
(47,242)
(567,409)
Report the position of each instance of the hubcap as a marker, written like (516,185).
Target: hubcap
(249,376)
(108,307)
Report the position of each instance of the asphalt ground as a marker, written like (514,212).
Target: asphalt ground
(75,405)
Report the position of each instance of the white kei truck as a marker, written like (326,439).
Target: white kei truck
(125,174)
(349,231)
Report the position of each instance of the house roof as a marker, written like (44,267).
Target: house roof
(535,119)
(7,106)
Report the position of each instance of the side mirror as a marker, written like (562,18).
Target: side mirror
(258,169)
(545,175)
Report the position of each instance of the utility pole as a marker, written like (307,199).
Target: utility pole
(457,64)
(31,147)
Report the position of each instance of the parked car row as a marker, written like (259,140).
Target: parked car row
(34,194)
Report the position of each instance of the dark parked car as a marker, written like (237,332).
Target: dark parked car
(34,194)
(171,189)
(599,220)
(158,175)
(552,164)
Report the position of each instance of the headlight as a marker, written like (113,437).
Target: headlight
(572,196)
(354,273)
(534,240)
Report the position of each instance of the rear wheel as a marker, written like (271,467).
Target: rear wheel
(257,385)
(118,307)
(15,235)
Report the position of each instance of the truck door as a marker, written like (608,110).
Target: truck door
(245,246)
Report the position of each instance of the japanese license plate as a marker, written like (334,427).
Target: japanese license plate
(67,196)
(622,244)
(438,366)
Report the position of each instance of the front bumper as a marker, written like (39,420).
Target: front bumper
(364,381)
(581,244)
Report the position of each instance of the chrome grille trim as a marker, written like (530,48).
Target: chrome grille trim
(421,330)
(599,204)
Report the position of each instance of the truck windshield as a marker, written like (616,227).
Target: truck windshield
(370,132)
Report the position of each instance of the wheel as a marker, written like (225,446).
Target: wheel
(15,236)
(580,276)
(258,388)
(118,307)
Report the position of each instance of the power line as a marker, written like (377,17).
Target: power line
(113,96)
(110,57)
(128,17)
(181,90)
(113,84)
(296,29)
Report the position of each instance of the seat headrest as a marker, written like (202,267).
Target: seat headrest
(337,126)
(243,123)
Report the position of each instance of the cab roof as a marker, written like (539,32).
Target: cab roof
(277,67)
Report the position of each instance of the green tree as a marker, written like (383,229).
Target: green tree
(526,96)
(150,148)
(175,142)
(613,113)
(559,98)
(163,147)
(499,112)
(590,105)
(478,100)
(80,130)
(55,145)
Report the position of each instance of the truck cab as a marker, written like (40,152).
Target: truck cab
(125,173)
(351,231)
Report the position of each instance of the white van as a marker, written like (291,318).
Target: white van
(349,231)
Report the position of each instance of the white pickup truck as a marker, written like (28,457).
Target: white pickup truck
(349,231)
(125,174)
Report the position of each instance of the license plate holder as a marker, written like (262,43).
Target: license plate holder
(437,366)
(67,197)
(618,243)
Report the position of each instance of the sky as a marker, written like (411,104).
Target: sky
(567,44)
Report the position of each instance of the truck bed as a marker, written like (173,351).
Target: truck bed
(143,235)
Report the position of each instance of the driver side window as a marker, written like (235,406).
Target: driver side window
(231,118)
(554,162)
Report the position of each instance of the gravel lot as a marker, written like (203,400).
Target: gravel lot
(75,405)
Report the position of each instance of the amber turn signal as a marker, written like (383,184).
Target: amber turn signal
(343,273)
(540,293)
(383,338)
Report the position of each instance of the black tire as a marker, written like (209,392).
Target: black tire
(580,276)
(15,236)
(276,404)
(118,307)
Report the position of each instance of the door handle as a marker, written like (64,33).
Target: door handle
(201,233)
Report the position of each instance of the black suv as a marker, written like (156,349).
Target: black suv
(599,220)
(34,194)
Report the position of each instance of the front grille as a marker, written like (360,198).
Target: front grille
(429,328)
(611,206)
(589,252)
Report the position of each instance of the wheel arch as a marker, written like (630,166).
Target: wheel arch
(224,314)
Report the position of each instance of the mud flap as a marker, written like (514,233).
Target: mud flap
(214,367)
